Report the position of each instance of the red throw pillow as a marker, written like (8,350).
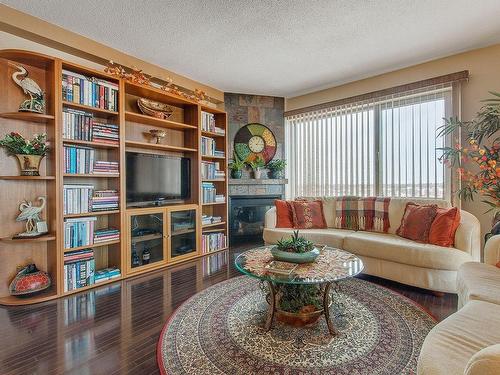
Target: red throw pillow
(498,264)
(444,226)
(284,214)
(416,222)
(308,215)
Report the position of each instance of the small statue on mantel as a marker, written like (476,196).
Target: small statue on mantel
(36,103)
(35,227)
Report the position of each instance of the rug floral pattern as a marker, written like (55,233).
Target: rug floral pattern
(218,331)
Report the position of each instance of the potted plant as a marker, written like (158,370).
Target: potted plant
(295,250)
(257,164)
(236,167)
(29,153)
(276,167)
(483,149)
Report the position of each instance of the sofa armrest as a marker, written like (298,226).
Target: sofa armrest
(492,250)
(468,235)
(484,362)
(270,218)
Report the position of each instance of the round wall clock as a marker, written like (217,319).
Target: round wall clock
(254,140)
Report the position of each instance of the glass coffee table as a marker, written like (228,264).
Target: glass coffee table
(283,279)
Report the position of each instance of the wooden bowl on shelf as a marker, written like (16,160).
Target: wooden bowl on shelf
(154,109)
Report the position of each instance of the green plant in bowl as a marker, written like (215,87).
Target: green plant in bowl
(295,250)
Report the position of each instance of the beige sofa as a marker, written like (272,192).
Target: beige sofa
(468,342)
(390,256)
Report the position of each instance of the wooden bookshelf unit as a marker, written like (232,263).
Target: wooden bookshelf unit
(170,233)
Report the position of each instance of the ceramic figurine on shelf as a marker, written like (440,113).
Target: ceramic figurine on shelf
(36,103)
(35,227)
(135,258)
(146,256)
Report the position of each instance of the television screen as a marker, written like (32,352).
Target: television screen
(152,179)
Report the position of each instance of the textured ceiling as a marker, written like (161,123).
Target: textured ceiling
(278,47)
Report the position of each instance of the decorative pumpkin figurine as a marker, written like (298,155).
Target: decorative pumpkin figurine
(36,103)
(28,281)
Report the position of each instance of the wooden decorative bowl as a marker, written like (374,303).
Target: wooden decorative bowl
(154,109)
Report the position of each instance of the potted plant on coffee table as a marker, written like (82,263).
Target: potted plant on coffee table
(236,167)
(257,164)
(276,168)
(29,153)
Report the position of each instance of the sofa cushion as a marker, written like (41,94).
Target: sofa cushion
(451,344)
(401,250)
(328,208)
(416,222)
(444,226)
(308,214)
(284,215)
(478,281)
(331,237)
(484,362)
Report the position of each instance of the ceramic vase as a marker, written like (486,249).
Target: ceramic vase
(29,164)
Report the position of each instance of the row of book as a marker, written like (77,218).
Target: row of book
(208,147)
(209,219)
(211,170)
(208,123)
(213,242)
(106,274)
(81,126)
(105,167)
(209,193)
(81,160)
(105,235)
(91,91)
(79,269)
(78,199)
(214,263)
(79,232)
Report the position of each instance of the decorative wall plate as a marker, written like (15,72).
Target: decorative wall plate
(254,140)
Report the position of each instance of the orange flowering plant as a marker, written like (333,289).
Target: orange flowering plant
(482,147)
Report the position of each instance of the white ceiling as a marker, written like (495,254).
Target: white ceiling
(279,47)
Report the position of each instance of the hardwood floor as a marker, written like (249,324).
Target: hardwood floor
(114,329)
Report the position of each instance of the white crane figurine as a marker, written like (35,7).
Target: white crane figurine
(34,225)
(36,103)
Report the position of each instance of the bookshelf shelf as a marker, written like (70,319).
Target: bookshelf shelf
(27,116)
(213,180)
(82,289)
(44,238)
(159,146)
(44,296)
(213,157)
(29,178)
(212,134)
(90,143)
(148,120)
(213,203)
(101,244)
(99,112)
(96,213)
(214,224)
(92,175)
(156,94)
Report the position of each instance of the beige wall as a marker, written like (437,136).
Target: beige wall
(484,68)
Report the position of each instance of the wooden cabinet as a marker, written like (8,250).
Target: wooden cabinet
(158,236)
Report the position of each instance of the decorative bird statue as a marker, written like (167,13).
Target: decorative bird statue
(31,88)
(31,214)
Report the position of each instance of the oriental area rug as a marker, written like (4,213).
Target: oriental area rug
(219,331)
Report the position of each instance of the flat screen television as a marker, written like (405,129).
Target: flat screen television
(156,179)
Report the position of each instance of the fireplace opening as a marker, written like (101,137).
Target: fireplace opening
(247,215)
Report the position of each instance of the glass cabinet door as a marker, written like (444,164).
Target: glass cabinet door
(147,239)
(182,233)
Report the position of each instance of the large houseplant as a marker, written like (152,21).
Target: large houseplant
(480,153)
(236,167)
(276,168)
(29,153)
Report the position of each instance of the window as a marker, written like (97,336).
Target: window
(386,146)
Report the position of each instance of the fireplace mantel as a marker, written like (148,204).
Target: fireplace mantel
(258,181)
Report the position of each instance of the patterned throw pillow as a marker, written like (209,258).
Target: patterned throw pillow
(284,214)
(416,222)
(444,226)
(308,215)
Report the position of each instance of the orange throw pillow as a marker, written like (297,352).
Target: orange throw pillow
(498,264)
(308,215)
(284,214)
(444,226)
(416,222)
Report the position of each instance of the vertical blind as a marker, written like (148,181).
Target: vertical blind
(385,146)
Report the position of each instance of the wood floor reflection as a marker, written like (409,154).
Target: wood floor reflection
(114,329)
